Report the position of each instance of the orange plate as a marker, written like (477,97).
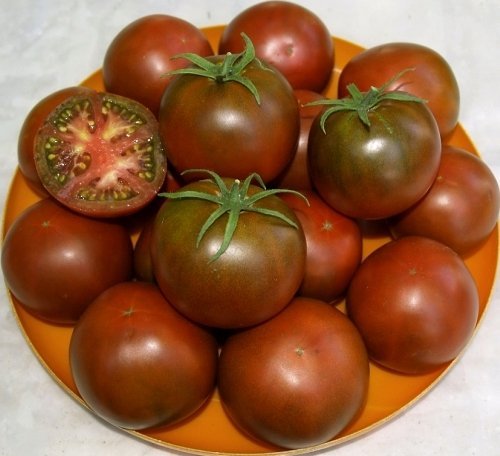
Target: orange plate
(210,430)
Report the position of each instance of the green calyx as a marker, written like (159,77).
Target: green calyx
(229,69)
(364,102)
(233,201)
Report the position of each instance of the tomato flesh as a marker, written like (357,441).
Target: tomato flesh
(100,154)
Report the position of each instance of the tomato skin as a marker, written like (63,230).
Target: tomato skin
(253,280)
(289,37)
(138,363)
(431,78)
(298,379)
(296,174)
(415,303)
(460,209)
(143,266)
(334,247)
(56,262)
(100,155)
(151,40)
(33,121)
(375,172)
(219,126)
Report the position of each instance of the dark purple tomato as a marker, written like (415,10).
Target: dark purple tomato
(56,262)
(140,55)
(415,303)
(460,209)
(137,363)
(298,379)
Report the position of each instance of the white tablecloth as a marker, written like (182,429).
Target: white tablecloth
(47,45)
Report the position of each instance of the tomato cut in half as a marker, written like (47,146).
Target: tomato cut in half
(99,154)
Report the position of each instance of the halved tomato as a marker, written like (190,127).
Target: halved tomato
(100,155)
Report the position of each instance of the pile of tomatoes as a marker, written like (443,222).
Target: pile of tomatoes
(201,223)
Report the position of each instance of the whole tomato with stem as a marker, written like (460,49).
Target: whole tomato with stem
(288,36)
(432,78)
(231,114)
(334,247)
(227,254)
(373,155)
(56,262)
(460,209)
(415,303)
(137,362)
(140,55)
(297,379)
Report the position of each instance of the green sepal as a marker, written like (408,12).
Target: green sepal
(364,102)
(233,201)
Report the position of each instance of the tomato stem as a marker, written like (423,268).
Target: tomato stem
(364,102)
(231,68)
(232,201)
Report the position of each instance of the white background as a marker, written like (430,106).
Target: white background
(46,45)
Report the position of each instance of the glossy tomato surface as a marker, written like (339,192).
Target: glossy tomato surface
(33,121)
(100,154)
(140,55)
(460,209)
(334,247)
(288,36)
(430,77)
(220,126)
(250,282)
(297,379)
(56,262)
(415,303)
(376,171)
(137,363)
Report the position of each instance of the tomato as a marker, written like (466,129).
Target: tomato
(29,128)
(296,174)
(100,154)
(137,363)
(298,379)
(255,276)
(140,55)
(415,303)
(55,262)
(372,163)
(288,36)
(216,122)
(432,78)
(461,208)
(334,247)
(143,266)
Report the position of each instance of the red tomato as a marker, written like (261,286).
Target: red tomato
(376,167)
(298,379)
(143,265)
(100,154)
(34,120)
(140,55)
(431,78)
(460,209)
(415,303)
(296,174)
(289,37)
(137,363)
(230,132)
(55,262)
(251,281)
(334,247)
